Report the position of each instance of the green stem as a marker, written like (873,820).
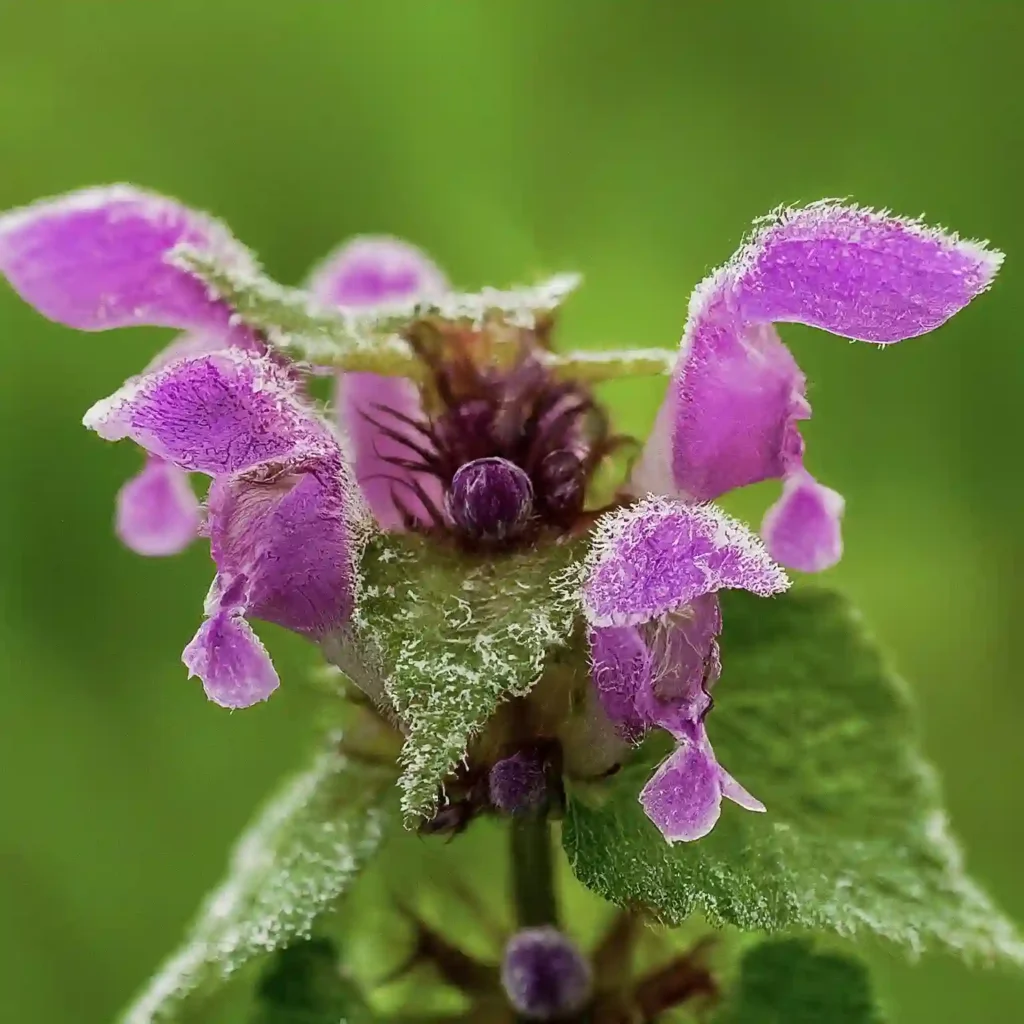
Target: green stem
(533,876)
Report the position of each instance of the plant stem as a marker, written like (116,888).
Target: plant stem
(533,879)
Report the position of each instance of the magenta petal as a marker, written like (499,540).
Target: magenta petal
(157,511)
(865,275)
(193,344)
(620,669)
(364,400)
(289,534)
(220,413)
(684,796)
(657,556)
(232,663)
(369,270)
(738,794)
(97,259)
(684,666)
(731,413)
(802,528)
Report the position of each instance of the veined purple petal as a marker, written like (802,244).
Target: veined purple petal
(290,531)
(731,414)
(232,663)
(621,670)
(685,665)
(368,271)
(157,511)
(801,529)
(657,556)
(684,796)
(221,413)
(96,259)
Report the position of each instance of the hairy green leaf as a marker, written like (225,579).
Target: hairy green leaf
(808,718)
(787,982)
(453,636)
(300,854)
(304,985)
(371,339)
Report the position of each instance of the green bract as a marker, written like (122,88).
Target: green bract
(448,637)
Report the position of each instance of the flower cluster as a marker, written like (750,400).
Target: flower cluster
(482,452)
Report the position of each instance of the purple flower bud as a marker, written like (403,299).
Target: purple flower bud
(562,481)
(518,783)
(544,975)
(490,499)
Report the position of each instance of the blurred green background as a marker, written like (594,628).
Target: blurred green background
(634,141)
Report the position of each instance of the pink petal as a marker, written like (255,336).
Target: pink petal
(368,271)
(738,794)
(684,796)
(220,413)
(364,401)
(373,269)
(157,511)
(657,556)
(289,531)
(858,273)
(801,529)
(731,414)
(620,669)
(192,344)
(97,259)
(233,665)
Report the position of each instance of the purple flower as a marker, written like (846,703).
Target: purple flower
(649,598)
(544,975)
(737,396)
(284,514)
(483,454)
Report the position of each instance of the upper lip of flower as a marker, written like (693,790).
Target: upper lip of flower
(290,501)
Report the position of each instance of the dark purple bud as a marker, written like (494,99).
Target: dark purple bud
(561,484)
(544,975)
(519,783)
(490,499)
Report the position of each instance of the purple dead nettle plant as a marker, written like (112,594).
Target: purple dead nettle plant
(480,451)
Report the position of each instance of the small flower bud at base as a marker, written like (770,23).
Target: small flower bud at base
(490,499)
(544,975)
(518,784)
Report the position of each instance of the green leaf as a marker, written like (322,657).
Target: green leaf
(371,340)
(300,854)
(304,985)
(361,340)
(452,636)
(787,982)
(809,719)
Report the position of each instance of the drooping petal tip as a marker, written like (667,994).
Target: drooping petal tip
(97,259)
(659,555)
(802,529)
(157,511)
(231,661)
